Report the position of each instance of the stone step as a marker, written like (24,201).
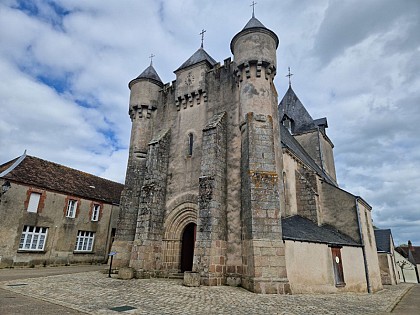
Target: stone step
(177,275)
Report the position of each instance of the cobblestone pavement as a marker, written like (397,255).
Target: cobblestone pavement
(95,293)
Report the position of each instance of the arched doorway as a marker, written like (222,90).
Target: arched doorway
(187,249)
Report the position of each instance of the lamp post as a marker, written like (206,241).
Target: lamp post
(4,188)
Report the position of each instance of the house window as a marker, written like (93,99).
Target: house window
(34,202)
(337,266)
(33,238)
(95,212)
(71,209)
(190,143)
(84,241)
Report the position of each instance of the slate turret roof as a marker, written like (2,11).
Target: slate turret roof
(199,56)
(150,74)
(297,228)
(254,25)
(33,171)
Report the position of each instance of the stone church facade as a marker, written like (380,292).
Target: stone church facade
(218,171)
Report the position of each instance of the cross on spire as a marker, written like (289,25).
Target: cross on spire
(290,75)
(151,59)
(253,8)
(202,37)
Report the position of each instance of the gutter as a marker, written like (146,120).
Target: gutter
(363,247)
(321,158)
(13,166)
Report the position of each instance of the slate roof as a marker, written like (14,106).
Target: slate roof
(297,228)
(199,56)
(293,108)
(288,141)
(253,23)
(383,240)
(150,74)
(33,171)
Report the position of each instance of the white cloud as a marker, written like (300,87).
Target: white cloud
(355,62)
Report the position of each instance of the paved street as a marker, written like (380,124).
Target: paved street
(24,273)
(94,293)
(410,304)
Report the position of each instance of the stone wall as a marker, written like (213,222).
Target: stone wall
(210,246)
(263,248)
(306,193)
(339,210)
(147,246)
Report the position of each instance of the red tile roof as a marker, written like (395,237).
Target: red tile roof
(33,171)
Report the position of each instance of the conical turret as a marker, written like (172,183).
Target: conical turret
(255,42)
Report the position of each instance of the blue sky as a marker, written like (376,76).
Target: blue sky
(65,66)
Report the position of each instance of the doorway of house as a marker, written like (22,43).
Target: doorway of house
(187,247)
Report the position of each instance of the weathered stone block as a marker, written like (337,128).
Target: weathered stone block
(191,279)
(126,273)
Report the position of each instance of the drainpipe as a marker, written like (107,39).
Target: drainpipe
(363,247)
(321,157)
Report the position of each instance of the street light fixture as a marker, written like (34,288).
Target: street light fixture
(5,187)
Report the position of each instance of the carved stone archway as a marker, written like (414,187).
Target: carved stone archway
(174,226)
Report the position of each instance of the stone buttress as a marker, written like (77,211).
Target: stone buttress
(210,245)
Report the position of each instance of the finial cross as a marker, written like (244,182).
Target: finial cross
(202,37)
(290,75)
(253,8)
(151,58)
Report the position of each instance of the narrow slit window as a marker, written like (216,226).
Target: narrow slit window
(190,143)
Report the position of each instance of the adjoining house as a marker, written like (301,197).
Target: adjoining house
(406,269)
(52,214)
(387,263)
(412,254)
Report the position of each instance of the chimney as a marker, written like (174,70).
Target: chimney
(410,246)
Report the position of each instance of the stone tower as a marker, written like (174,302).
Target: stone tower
(203,188)
(142,109)
(254,50)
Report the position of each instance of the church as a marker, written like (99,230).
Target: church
(228,184)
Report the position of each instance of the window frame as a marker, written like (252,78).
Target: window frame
(96,211)
(85,242)
(34,205)
(33,238)
(71,211)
